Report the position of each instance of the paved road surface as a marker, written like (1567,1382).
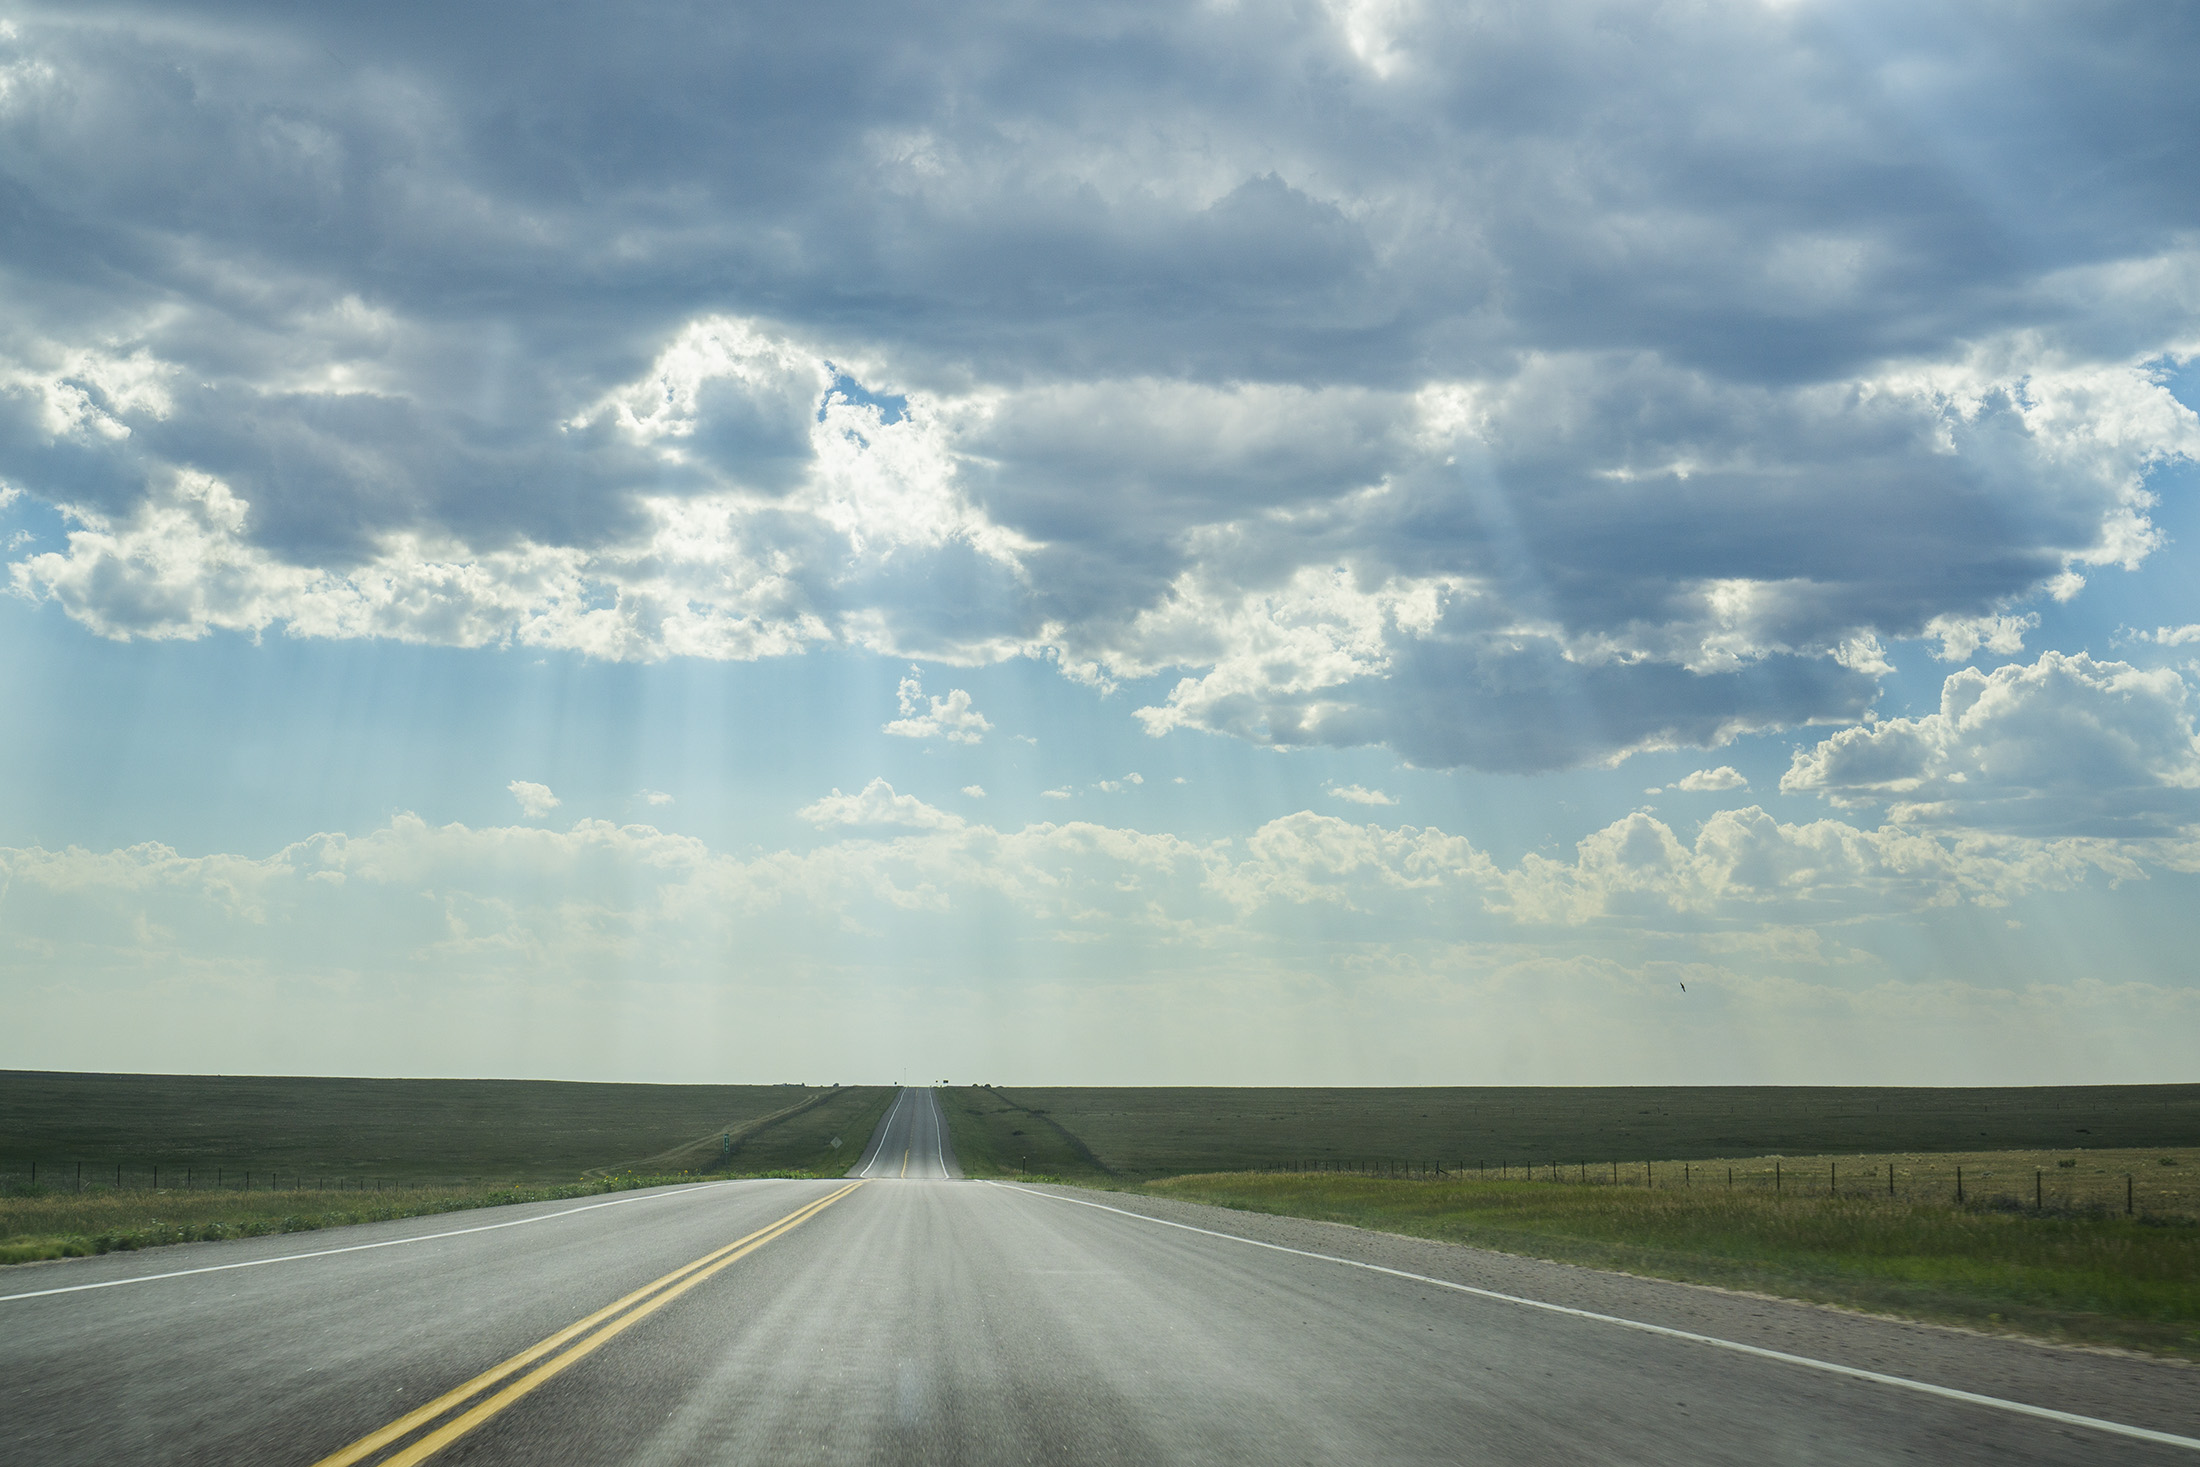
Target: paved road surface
(911,1142)
(923,1321)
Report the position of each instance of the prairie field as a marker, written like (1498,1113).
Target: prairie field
(1163,1131)
(440,1132)
(2086,1273)
(94,1163)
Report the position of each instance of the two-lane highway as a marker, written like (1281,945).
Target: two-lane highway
(895,1318)
(910,1143)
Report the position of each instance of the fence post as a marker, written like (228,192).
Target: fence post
(1890,1179)
(1959,1184)
(2039,1203)
(2127,1194)
(1647,1181)
(1776,1179)
(1833,1178)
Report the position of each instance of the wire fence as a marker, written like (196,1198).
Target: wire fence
(48,1178)
(2150,1184)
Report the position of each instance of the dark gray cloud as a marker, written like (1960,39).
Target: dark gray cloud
(1516,387)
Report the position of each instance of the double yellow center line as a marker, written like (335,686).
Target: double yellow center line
(558,1352)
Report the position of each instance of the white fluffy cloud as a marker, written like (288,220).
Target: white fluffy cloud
(1359,795)
(458,901)
(535,800)
(951,718)
(2064,746)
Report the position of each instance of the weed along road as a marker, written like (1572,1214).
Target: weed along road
(898,1315)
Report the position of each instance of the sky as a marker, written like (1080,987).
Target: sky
(1324,543)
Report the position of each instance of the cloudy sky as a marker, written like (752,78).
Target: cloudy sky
(1362,542)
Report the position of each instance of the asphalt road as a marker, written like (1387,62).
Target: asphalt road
(883,1319)
(910,1143)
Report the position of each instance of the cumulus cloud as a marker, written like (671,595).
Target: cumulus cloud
(1725,777)
(877,804)
(974,791)
(654,798)
(1746,861)
(2064,746)
(452,901)
(951,718)
(535,800)
(1433,382)
(1359,795)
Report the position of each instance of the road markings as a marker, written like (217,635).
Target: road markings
(654,1195)
(905,1161)
(865,1168)
(1946,1393)
(612,1319)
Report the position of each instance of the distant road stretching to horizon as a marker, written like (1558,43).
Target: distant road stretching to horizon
(902,1316)
(911,1142)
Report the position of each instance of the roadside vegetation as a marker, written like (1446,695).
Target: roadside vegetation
(2080,1273)
(1651,1181)
(96,1163)
(1156,1132)
(997,1134)
(58,1223)
(398,1131)
(822,1134)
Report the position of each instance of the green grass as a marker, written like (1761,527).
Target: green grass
(802,1141)
(996,1136)
(69,1224)
(1162,1131)
(402,1131)
(349,1151)
(2084,1276)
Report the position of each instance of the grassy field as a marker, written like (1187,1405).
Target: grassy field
(803,1139)
(996,1136)
(131,1161)
(1140,1133)
(71,1224)
(2070,1274)
(400,1131)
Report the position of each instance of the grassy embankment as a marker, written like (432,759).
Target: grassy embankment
(2073,1268)
(340,1151)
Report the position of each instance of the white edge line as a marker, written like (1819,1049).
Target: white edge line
(1950,1393)
(652,1195)
(885,1131)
